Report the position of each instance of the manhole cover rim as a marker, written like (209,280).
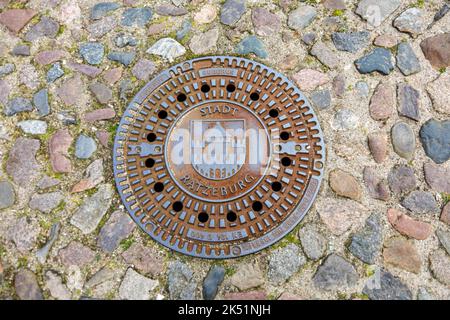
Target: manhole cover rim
(147,227)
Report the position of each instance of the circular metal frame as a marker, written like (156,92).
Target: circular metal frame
(169,227)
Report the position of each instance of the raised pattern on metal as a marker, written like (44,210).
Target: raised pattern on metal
(274,159)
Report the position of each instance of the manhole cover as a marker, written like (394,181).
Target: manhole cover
(218,157)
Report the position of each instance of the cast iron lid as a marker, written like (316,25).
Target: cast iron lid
(218,157)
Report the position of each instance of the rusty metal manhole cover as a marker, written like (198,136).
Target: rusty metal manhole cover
(218,157)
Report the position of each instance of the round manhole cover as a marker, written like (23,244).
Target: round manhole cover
(218,157)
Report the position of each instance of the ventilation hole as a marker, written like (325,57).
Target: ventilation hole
(162,114)
(158,187)
(231,216)
(177,206)
(151,137)
(276,186)
(205,88)
(273,113)
(284,135)
(231,87)
(257,206)
(254,96)
(203,217)
(181,97)
(149,163)
(285,161)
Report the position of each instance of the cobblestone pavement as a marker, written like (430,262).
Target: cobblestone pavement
(376,72)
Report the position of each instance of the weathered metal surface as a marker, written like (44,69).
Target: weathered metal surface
(260,190)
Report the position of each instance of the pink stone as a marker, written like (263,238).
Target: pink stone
(378,146)
(76,254)
(340,215)
(103,137)
(308,79)
(156,29)
(113,75)
(403,254)
(382,102)
(16,19)
(334,4)
(386,41)
(83,185)
(266,23)
(145,259)
(58,147)
(47,57)
(71,91)
(445,216)
(437,177)
(100,114)
(88,70)
(21,164)
(408,226)
(251,295)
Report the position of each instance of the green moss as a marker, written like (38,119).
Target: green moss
(338,13)
(420,3)
(341,296)
(442,70)
(445,197)
(126,243)
(22,262)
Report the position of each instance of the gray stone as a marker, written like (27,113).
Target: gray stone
(408,101)
(102,27)
(180,281)
(88,215)
(7,69)
(335,273)
(313,243)
(17,105)
(117,228)
(126,87)
(85,147)
(436,177)
(21,50)
(301,17)
(136,17)
(265,22)
(362,88)
(439,265)
(7,195)
(92,52)
(26,285)
(47,27)
(102,93)
(321,99)
(46,202)
(55,72)
(435,138)
(54,284)
(102,9)
(366,244)
(251,44)
(167,48)
(247,276)
(185,28)
(122,40)
(284,262)
(170,10)
(47,182)
(421,202)
(21,164)
(76,254)
(135,286)
(376,11)
(403,140)
(344,119)
(424,294)
(5,90)
(125,58)
(444,239)
(410,21)
(325,55)
(204,42)
(23,232)
(212,281)
(407,61)
(351,41)
(42,253)
(67,118)
(143,69)
(384,286)
(379,59)
(402,179)
(309,38)
(231,11)
(40,101)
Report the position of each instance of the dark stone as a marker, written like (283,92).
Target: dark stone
(26,285)
(231,12)
(351,41)
(40,101)
(384,286)
(335,273)
(252,44)
(47,27)
(212,281)
(366,245)
(437,50)
(407,61)
(402,179)
(102,9)
(408,101)
(435,138)
(136,17)
(17,105)
(125,58)
(421,202)
(379,60)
